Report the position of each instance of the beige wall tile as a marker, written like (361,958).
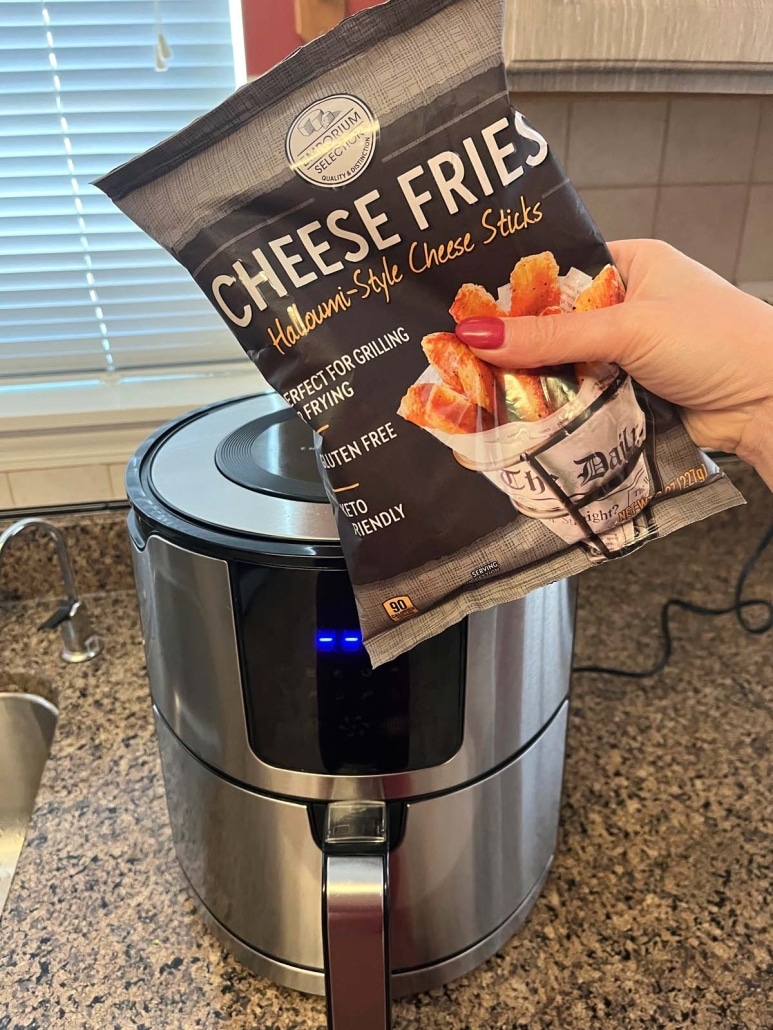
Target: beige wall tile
(6,499)
(548,115)
(44,487)
(624,213)
(704,222)
(756,260)
(711,139)
(762,288)
(616,142)
(117,481)
(763,164)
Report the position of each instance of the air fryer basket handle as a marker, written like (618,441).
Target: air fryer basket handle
(355,916)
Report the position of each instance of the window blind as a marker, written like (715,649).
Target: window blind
(82,290)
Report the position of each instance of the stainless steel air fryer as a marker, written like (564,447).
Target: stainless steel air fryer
(344,831)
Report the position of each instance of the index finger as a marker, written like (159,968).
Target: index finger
(623,253)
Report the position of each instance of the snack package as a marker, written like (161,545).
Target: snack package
(343,213)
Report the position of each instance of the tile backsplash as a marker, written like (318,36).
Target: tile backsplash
(34,488)
(616,142)
(711,139)
(704,222)
(756,261)
(763,162)
(696,171)
(624,213)
(6,497)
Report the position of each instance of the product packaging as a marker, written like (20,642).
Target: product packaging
(344,213)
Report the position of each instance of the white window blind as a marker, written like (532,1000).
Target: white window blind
(82,290)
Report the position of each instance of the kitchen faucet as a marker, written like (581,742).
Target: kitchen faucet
(81,643)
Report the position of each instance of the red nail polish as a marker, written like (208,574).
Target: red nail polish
(482,333)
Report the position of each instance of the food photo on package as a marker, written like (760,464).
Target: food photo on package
(344,213)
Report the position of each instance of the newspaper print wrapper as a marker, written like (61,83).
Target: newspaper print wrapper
(582,471)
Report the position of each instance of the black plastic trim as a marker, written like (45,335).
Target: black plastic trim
(409,800)
(397,820)
(264,481)
(153,517)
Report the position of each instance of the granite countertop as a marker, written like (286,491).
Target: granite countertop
(656,913)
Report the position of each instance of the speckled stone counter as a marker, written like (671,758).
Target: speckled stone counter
(98,549)
(658,909)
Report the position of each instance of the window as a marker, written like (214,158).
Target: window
(85,296)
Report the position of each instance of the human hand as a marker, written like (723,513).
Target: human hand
(683,332)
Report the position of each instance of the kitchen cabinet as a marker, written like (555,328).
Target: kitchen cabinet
(695,46)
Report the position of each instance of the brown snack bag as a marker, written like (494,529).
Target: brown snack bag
(343,213)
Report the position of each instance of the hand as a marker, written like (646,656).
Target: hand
(683,332)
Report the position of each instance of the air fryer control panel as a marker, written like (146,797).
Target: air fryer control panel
(313,701)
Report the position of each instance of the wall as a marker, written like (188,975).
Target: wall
(266,48)
(696,171)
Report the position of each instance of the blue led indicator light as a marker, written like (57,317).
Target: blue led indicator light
(352,641)
(331,642)
(326,642)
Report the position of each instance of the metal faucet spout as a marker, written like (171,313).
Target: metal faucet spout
(81,643)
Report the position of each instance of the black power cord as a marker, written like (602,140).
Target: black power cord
(739,607)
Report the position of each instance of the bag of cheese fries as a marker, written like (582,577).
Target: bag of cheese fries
(343,213)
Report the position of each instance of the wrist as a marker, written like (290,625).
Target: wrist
(756,445)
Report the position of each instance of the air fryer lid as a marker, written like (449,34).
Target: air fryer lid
(247,467)
(273,455)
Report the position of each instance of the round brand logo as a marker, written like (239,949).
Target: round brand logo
(333,141)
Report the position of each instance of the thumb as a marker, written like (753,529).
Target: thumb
(609,335)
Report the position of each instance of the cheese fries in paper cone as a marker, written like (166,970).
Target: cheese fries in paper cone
(565,444)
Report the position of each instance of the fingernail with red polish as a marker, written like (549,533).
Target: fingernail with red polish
(482,333)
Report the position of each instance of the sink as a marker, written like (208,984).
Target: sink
(28,717)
